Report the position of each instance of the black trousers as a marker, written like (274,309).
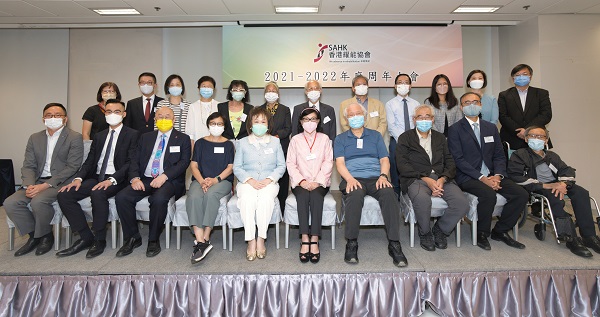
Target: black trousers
(516,201)
(394,175)
(582,208)
(284,190)
(310,203)
(159,200)
(69,204)
(354,201)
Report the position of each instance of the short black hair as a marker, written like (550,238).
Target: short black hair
(109,85)
(477,71)
(207,78)
(213,116)
(55,104)
(469,93)
(305,113)
(256,112)
(170,79)
(237,82)
(147,74)
(519,68)
(115,101)
(403,74)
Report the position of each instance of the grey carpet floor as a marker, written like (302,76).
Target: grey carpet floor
(539,255)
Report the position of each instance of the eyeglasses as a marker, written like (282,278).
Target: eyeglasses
(471,102)
(537,136)
(238,90)
(310,120)
(216,124)
(50,116)
(425,117)
(108,91)
(115,112)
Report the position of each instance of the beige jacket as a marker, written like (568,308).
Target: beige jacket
(376,118)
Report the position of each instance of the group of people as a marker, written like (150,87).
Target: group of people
(444,147)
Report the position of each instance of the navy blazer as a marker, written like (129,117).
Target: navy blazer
(175,163)
(469,155)
(329,128)
(124,151)
(136,119)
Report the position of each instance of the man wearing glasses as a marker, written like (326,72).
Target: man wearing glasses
(543,172)
(481,171)
(52,157)
(103,174)
(140,110)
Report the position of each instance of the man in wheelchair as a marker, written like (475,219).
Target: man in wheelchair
(543,172)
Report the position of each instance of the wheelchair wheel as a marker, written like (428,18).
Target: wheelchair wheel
(540,231)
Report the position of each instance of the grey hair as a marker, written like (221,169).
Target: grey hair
(352,104)
(312,81)
(423,107)
(274,84)
(536,127)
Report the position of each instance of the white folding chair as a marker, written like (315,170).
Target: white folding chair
(438,207)
(86,205)
(330,216)
(234,219)
(142,209)
(56,220)
(472,214)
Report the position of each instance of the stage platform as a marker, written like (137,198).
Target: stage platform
(545,279)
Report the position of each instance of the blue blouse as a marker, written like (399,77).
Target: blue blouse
(489,109)
(259,158)
(213,157)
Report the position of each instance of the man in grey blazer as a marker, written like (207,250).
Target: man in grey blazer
(52,157)
(313,93)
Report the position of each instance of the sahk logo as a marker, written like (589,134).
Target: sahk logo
(322,49)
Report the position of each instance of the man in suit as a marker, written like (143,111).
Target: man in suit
(427,169)
(481,171)
(376,117)
(52,157)
(522,106)
(140,110)
(313,92)
(103,175)
(157,170)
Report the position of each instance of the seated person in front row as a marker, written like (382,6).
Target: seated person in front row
(481,171)
(52,156)
(103,175)
(543,172)
(157,170)
(426,169)
(362,160)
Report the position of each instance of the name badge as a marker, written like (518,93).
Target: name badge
(489,139)
(326,119)
(374,114)
(311,156)
(552,168)
(219,149)
(243,117)
(269,151)
(359,143)
(174,149)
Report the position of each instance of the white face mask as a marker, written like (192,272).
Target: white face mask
(113,119)
(216,130)
(361,90)
(476,84)
(313,95)
(112,95)
(53,123)
(146,89)
(403,89)
(271,97)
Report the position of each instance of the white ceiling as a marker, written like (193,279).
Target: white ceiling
(77,13)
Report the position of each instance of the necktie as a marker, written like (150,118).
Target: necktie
(106,157)
(484,170)
(147,111)
(156,162)
(406,118)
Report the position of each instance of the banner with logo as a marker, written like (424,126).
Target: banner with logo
(291,56)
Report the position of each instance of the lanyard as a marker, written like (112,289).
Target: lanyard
(313,144)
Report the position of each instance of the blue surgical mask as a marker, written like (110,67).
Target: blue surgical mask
(175,91)
(424,125)
(206,92)
(536,144)
(471,110)
(238,95)
(522,80)
(259,129)
(356,122)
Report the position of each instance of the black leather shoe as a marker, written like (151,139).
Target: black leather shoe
(46,243)
(128,246)
(395,251)
(439,237)
(483,242)
(351,254)
(77,247)
(577,247)
(592,242)
(504,237)
(96,249)
(427,242)
(153,248)
(29,246)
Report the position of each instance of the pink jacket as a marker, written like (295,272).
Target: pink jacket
(313,165)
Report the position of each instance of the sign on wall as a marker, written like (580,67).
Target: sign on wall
(291,56)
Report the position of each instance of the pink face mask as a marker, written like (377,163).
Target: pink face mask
(441,89)
(309,127)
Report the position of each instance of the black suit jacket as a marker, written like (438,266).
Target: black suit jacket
(329,128)
(136,119)
(124,151)
(538,112)
(468,154)
(178,152)
(281,125)
(223,109)
(413,162)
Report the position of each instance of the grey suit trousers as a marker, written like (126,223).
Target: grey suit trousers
(38,218)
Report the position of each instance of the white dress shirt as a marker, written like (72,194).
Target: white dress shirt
(52,139)
(110,167)
(145,102)
(523,96)
(394,110)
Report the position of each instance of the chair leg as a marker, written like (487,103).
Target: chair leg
(458,234)
(224,229)
(167,235)
(178,238)
(333,237)
(11,239)
(287,235)
(516,232)
(474,231)
(120,235)
(230,239)
(277,235)
(68,236)
(57,236)
(412,234)
(113,230)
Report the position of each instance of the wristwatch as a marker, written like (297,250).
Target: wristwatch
(112,180)
(218,178)
(384,175)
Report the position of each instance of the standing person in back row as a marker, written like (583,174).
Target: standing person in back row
(376,118)
(140,110)
(313,92)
